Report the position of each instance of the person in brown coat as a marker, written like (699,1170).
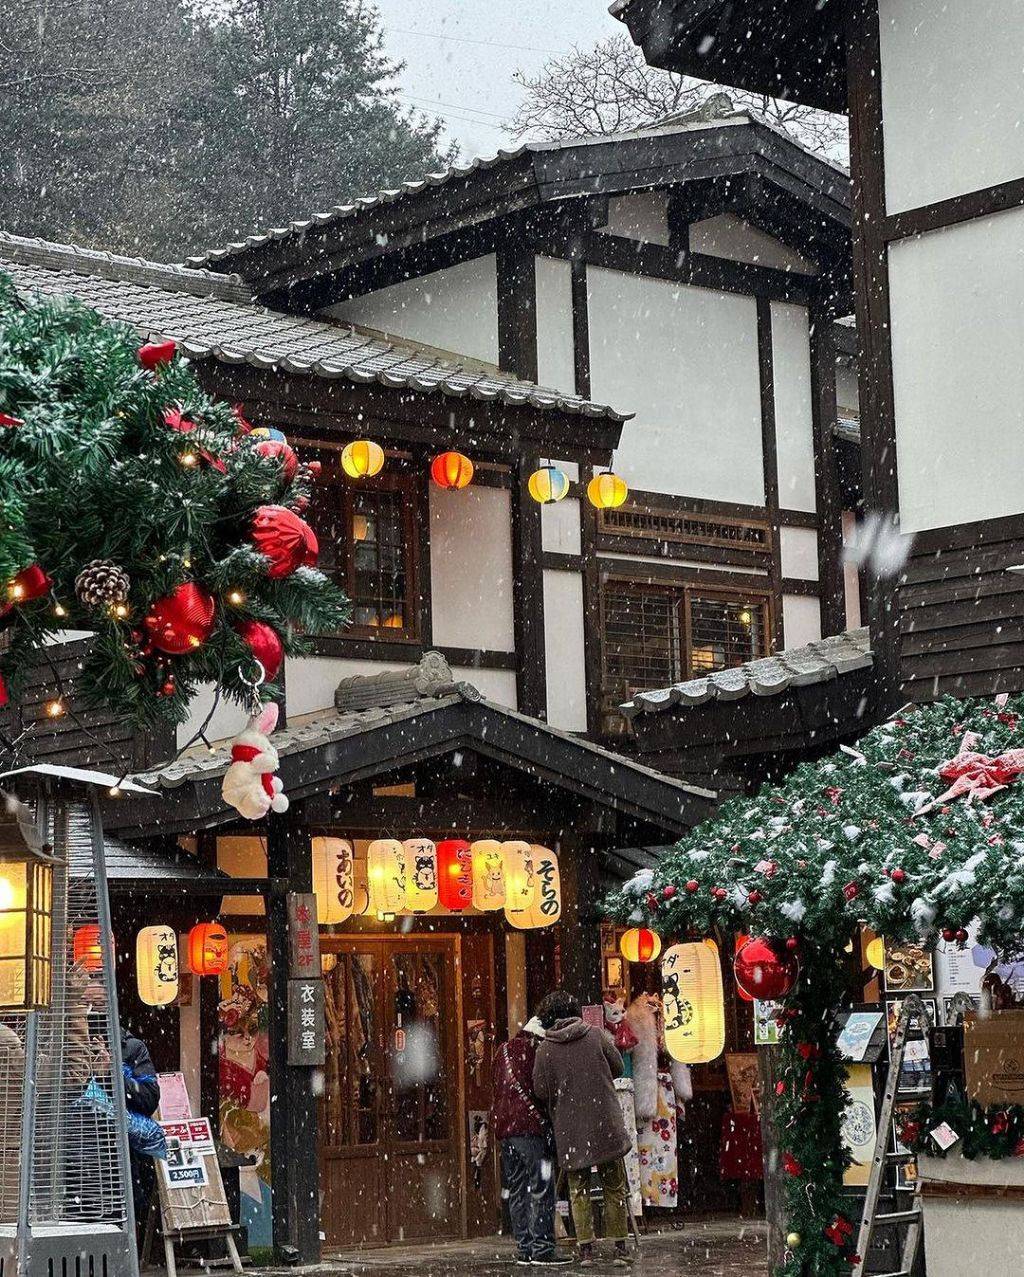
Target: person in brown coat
(573,1077)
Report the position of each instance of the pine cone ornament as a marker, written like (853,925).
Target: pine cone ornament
(102,583)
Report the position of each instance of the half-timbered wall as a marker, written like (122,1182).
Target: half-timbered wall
(729,236)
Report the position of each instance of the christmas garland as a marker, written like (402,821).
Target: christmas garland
(134,507)
(893,834)
(995,1132)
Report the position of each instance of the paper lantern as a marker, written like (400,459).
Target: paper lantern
(208,949)
(156,965)
(765,969)
(386,877)
(547,485)
(87,948)
(286,540)
(362,459)
(488,875)
(455,874)
(875,953)
(183,620)
(26,916)
(333,879)
(360,889)
(451,470)
(278,449)
(546,907)
(517,868)
(741,940)
(420,875)
(640,945)
(607,491)
(693,1003)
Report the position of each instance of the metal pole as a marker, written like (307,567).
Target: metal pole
(99,862)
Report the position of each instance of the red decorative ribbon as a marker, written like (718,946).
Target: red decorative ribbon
(977,775)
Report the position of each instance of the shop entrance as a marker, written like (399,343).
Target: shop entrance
(391,1152)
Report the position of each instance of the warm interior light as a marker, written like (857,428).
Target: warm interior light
(15,590)
(745,617)
(7,896)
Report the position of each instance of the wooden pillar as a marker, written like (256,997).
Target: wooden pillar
(769,453)
(580,927)
(826,478)
(294,1142)
(528,593)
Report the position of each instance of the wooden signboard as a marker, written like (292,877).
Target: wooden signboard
(303,936)
(307,1026)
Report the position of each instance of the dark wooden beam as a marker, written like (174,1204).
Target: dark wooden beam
(826,473)
(517,311)
(960,208)
(528,593)
(770,458)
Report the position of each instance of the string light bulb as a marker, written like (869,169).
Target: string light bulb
(236,597)
(189,459)
(55,708)
(59,609)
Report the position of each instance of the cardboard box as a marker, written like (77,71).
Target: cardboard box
(994,1058)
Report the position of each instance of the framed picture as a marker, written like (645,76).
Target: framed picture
(916,1074)
(908,969)
(741,1069)
(906,1176)
(948,1015)
(613,973)
(901,1113)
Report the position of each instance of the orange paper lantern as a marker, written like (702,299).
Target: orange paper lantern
(640,944)
(87,947)
(451,470)
(208,949)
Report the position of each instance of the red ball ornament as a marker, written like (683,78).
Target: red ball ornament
(719,893)
(264,643)
(764,969)
(277,449)
(791,1165)
(285,539)
(948,934)
(792,944)
(754,897)
(168,689)
(668,892)
(692,886)
(898,875)
(961,935)
(155,353)
(183,620)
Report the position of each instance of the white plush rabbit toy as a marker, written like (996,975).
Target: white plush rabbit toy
(250,785)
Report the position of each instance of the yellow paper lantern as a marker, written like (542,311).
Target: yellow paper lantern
(362,459)
(26,916)
(156,965)
(547,485)
(693,1002)
(420,875)
(875,953)
(333,879)
(546,906)
(360,889)
(640,944)
(488,875)
(517,868)
(607,491)
(386,879)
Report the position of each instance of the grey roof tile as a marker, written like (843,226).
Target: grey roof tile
(213,316)
(817,662)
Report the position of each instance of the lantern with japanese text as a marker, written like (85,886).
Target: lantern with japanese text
(420,875)
(693,1002)
(455,874)
(517,866)
(333,879)
(488,875)
(546,906)
(156,965)
(386,877)
(208,949)
(640,944)
(87,948)
(360,889)
(26,914)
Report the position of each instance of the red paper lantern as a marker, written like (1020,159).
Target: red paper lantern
(276,448)
(285,539)
(208,949)
(30,583)
(765,969)
(264,643)
(451,470)
(155,353)
(183,620)
(87,947)
(454,874)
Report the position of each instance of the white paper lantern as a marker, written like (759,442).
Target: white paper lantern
(156,965)
(546,907)
(693,1002)
(386,877)
(333,879)
(517,867)
(420,875)
(488,875)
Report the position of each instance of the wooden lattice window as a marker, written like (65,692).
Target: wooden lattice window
(654,635)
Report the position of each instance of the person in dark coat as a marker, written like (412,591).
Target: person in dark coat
(524,1131)
(573,1077)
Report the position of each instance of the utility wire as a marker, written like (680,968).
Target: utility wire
(465,39)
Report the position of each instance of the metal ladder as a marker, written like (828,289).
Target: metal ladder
(912,1009)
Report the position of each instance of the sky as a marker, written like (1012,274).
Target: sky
(461,55)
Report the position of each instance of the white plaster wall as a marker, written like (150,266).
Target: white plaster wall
(190,1048)
(311,680)
(471,568)
(641,215)
(560,526)
(801,619)
(496,685)
(455,309)
(564,650)
(952,100)
(730,236)
(228,718)
(685,361)
(798,548)
(794,425)
(556,359)
(847,392)
(851,576)
(957,309)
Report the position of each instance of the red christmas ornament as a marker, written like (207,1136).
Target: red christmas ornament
(183,620)
(961,935)
(898,875)
(851,891)
(839,1231)
(1000,1123)
(276,449)
(790,1164)
(174,419)
(754,897)
(780,1088)
(7,420)
(264,643)
(30,583)
(155,353)
(315,469)
(692,886)
(765,970)
(948,934)
(719,893)
(668,892)
(168,688)
(792,944)
(286,540)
